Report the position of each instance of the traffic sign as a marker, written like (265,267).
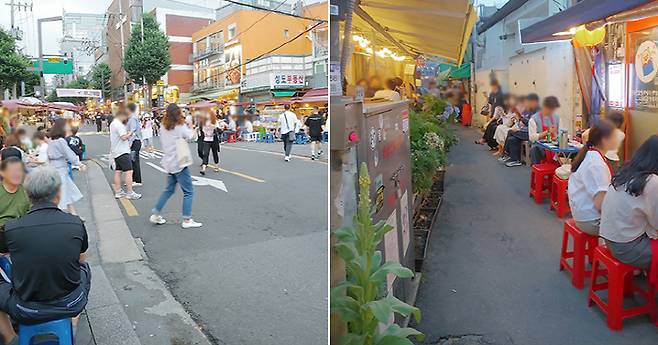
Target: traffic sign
(54,67)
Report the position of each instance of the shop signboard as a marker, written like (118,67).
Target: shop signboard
(232,65)
(287,80)
(79,93)
(643,70)
(616,85)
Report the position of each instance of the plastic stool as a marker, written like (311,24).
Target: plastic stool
(619,284)
(269,138)
(232,137)
(325,137)
(559,196)
(541,176)
(300,138)
(583,245)
(58,332)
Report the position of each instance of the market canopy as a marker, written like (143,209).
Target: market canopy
(435,27)
(558,26)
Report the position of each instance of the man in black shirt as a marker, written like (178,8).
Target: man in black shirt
(50,278)
(315,125)
(99,122)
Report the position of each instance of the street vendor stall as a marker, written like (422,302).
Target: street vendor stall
(384,39)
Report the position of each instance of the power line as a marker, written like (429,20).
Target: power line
(275,11)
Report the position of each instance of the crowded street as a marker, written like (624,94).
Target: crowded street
(251,250)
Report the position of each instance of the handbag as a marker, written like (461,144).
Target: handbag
(183,153)
(485,110)
(290,137)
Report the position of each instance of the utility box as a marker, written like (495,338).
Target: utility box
(375,133)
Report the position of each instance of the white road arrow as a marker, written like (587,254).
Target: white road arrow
(202,181)
(197,180)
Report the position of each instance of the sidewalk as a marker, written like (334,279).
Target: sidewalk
(128,304)
(491,275)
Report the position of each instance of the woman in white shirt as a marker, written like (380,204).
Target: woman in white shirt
(590,178)
(210,141)
(147,134)
(174,129)
(629,217)
(390,92)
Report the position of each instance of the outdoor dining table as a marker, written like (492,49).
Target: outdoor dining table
(562,155)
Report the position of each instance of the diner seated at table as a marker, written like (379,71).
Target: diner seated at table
(508,121)
(590,177)
(617,118)
(629,214)
(539,126)
(519,133)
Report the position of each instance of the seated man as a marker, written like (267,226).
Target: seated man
(539,127)
(50,279)
(519,133)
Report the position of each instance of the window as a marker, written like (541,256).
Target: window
(285,33)
(232,31)
(264,3)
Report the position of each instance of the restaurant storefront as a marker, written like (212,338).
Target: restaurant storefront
(623,65)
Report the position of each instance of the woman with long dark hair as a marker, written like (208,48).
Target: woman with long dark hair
(175,132)
(60,156)
(209,136)
(629,217)
(590,177)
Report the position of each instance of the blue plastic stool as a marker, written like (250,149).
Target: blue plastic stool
(300,138)
(269,138)
(58,332)
(5,264)
(325,137)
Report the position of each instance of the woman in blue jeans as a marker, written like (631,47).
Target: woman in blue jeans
(175,129)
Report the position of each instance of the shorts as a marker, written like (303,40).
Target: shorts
(123,163)
(317,138)
(29,313)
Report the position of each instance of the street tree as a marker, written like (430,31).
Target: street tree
(147,57)
(13,65)
(100,78)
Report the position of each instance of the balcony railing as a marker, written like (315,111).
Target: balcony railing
(212,50)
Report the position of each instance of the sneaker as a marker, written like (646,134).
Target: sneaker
(503,159)
(157,219)
(313,157)
(286,158)
(133,196)
(190,223)
(320,153)
(513,164)
(120,194)
(137,184)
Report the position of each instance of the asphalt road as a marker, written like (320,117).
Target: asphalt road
(256,272)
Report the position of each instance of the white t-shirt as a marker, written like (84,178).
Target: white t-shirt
(248,127)
(168,140)
(118,146)
(288,122)
(625,217)
(593,176)
(147,130)
(42,153)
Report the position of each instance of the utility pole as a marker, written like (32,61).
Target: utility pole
(15,32)
(119,26)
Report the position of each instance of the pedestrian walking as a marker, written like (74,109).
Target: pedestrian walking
(315,126)
(99,122)
(210,134)
(75,142)
(135,128)
(147,134)
(60,156)
(120,152)
(176,161)
(289,125)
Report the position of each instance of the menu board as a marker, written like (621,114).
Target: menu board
(643,69)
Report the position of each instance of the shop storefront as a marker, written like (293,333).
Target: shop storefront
(620,46)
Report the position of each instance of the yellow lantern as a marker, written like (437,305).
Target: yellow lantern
(586,38)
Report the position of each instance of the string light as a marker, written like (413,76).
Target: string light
(364,43)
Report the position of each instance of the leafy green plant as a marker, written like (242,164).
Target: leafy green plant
(361,300)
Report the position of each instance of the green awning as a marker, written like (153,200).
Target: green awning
(283,93)
(463,71)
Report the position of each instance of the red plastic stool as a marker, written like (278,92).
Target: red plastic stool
(559,196)
(467,114)
(541,176)
(619,284)
(583,245)
(232,138)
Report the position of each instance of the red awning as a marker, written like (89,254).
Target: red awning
(317,92)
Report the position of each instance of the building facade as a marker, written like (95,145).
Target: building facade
(244,55)
(522,69)
(82,33)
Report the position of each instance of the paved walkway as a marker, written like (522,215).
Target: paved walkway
(491,276)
